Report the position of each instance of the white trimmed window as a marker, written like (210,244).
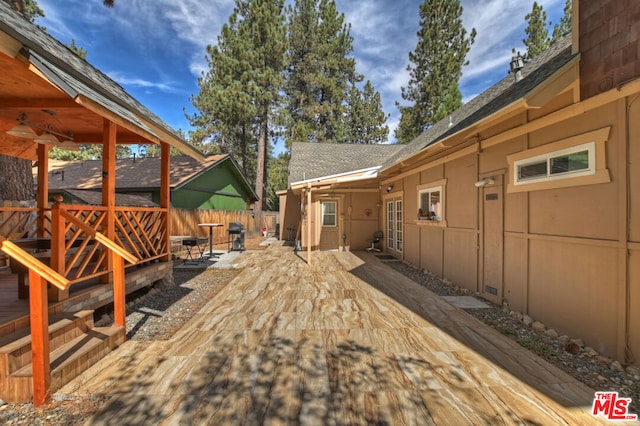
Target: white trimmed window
(329,217)
(570,162)
(574,161)
(431,204)
(431,201)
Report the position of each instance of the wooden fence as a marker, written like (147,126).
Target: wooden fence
(185,222)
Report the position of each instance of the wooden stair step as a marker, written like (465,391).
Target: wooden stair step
(15,348)
(75,356)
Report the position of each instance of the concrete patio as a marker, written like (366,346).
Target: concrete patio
(345,340)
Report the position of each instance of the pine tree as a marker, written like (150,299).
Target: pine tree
(564,27)
(365,117)
(278,179)
(77,49)
(435,69)
(28,8)
(240,92)
(537,40)
(319,72)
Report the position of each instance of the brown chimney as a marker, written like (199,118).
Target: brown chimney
(609,42)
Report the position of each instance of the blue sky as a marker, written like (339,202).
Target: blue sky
(156,49)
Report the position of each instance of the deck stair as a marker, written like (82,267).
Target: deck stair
(75,345)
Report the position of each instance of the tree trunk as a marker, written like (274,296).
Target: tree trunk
(16,179)
(261,166)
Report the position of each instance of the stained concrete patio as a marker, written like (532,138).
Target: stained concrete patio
(345,340)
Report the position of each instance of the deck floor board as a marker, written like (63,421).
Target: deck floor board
(345,340)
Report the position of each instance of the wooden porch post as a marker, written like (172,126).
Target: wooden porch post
(119,291)
(58,262)
(109,183)
(165,193)
(40,361)
(114,262)
(42,197)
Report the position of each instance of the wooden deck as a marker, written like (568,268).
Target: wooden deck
(346,340)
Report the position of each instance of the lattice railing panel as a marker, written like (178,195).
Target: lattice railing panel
(142,231)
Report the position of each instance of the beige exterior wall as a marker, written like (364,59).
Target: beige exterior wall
(359,215)
(361,212)
(562,253)
(289,215)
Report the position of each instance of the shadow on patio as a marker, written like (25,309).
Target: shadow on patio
(345,341)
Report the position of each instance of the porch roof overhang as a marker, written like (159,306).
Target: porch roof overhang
(48,83)
(332,181)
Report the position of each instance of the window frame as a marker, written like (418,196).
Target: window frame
(594,142)
(590,147)
(334,214)
(437,186)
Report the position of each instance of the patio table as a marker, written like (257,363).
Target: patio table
(211,226)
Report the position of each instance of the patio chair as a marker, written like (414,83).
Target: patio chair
(375,242)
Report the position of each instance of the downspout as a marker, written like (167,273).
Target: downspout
(629,357)
(308,223)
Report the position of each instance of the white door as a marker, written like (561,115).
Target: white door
(330,230)
(394,226)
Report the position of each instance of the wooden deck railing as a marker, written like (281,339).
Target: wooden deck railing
(20,222)
(142,231)
(67,228)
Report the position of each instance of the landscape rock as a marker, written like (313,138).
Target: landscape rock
(551,333)
(527,320)
(538,326)
(563,340)
(589,351)
(578,342)
(572,347)
(615,365)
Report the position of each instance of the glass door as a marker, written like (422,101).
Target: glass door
(394,226)
(398,219)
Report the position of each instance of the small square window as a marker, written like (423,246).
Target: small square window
(430,201)
(329,213)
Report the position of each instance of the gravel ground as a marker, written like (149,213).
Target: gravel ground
(147,320)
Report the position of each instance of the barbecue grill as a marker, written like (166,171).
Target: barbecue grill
(236,236)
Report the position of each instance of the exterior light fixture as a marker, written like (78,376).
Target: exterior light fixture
(47,139)
(25,130)
(22,131)
(484,182)
(69,145)
(389,188)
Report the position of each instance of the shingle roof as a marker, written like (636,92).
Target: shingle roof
(491,100)
(143,173)
(94,198)
(311,160)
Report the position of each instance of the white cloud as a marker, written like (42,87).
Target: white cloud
(128,81)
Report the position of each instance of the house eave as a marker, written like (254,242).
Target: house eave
(352,176)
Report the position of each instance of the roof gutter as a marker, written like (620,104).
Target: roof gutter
(367,173)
